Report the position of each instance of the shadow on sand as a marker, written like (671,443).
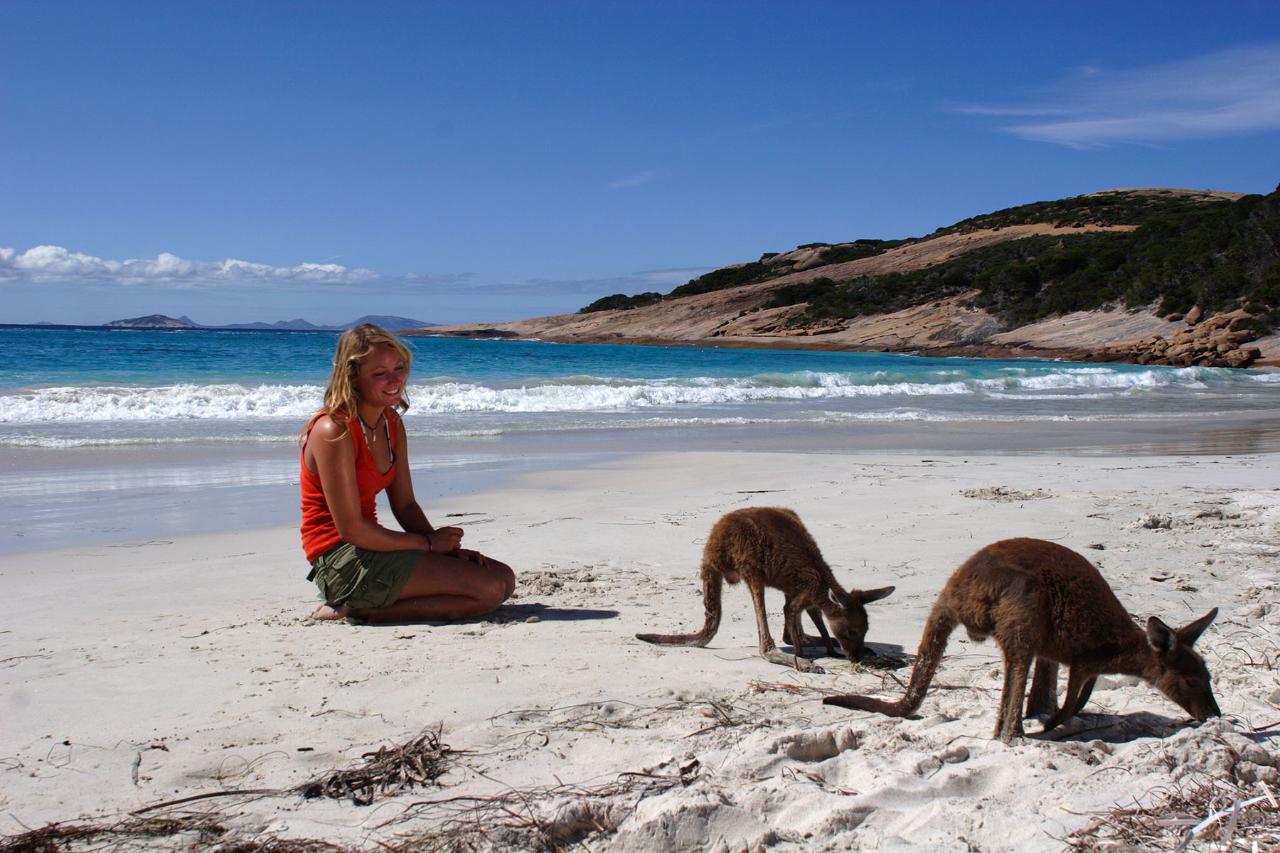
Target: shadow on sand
(1110,728)
(506,614)
(543,613)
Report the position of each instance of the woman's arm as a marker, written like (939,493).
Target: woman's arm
(335,462)
(443,540)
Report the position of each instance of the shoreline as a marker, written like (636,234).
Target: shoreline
(118,494)
(551,697)
(1083,355)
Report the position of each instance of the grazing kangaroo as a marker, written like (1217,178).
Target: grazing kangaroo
(768,546)
(1046,603)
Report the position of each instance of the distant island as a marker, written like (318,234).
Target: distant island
(1151,276)
(161,321)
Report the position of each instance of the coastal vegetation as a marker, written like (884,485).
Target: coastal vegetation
(726,277)
(1183,250)
(620,301)
(1216,256)
(771,265)
(1112,207)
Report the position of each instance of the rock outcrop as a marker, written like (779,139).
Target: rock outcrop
(1216,341)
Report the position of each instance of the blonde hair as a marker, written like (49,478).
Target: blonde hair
(341,397)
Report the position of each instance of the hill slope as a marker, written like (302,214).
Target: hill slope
(1153,275)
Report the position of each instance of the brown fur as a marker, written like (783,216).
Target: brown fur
(769,546)
(1046,603)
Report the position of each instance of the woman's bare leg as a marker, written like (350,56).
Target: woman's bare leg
(443,587)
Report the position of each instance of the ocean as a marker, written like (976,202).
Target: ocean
(98,424)
(75,387)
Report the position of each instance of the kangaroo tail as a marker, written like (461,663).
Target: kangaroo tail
(711,588)
(934,642)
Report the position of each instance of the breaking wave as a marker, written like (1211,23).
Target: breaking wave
(569,394)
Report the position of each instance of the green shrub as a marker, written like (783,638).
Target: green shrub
(1217,256)
(620,301)
(1117,207)
(724,278)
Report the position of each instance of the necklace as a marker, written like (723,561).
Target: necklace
(371,434)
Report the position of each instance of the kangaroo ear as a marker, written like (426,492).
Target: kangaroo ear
(1161,637)
(1190,633)
(867,596)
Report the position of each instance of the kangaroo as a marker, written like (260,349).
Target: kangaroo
(1046,603)
(769,546)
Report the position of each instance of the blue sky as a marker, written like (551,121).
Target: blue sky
(240,161)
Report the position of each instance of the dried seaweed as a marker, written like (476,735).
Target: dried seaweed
(1215,813)
(134,833)
(420,761)
(281,845)
(549,818)
(386,772)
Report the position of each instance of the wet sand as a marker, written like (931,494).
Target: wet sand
(84,495)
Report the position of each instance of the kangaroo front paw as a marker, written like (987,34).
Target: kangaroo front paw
(794,661)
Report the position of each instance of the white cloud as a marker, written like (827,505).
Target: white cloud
(440,280)
(1227,93)
(640,282)
(636,179)
(57,264)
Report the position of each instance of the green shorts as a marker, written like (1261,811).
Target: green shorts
(351,576)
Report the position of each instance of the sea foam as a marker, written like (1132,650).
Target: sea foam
(580,393)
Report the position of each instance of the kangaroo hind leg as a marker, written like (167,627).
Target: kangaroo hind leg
(1017,666)
(1043,698)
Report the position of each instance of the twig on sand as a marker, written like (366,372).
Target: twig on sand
(788,687)
(723,719)
(208,795)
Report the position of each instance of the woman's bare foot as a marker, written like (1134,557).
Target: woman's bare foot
(327,613)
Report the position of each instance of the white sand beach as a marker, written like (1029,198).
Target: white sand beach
(138,673)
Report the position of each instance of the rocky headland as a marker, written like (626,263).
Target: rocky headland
(1135,265)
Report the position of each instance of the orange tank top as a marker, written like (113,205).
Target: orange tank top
(319,531)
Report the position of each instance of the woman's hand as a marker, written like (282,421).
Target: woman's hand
(445,540)
(474,557)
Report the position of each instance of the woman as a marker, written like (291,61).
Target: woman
(353,448)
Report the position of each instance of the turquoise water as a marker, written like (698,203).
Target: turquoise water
(70,387)
(123,435)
